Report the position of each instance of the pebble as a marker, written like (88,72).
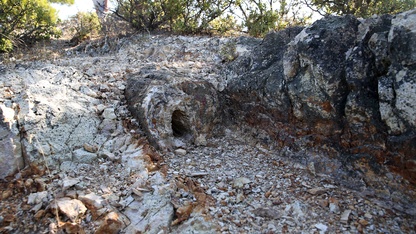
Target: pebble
(82,156)
(69,182)
(345,216)
(334,208)
(71,208)
(240,182)
(92,200)
(109,113)
(35,198)
(321,227)
(180,152)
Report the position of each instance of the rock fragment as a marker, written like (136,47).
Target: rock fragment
(73,209)
(35,198)
(240,182)
(82,156)
(112,224)
(180,152)
(322,228)
(345,216)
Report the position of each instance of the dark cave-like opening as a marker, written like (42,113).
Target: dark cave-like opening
(180,124)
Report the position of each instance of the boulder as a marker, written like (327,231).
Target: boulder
(173,109)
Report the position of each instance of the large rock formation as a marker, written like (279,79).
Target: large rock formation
(172,109)
(342,84)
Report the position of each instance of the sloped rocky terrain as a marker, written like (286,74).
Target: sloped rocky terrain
(307,131)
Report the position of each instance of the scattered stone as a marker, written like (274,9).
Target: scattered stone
(92,201)
(317,191)
(267,213)
(82,156)
(72,208)
(368,216)
(322,227)
(69,182)
(112,224)
(198,174)
(36,198)
(345,216)
(109,114)
(37,207)
(87,91)
(240,182)
(182,214)
(6,194)
(334,208)
(180,152)
(90,148)
(39,214)
(53,228)
(363,222)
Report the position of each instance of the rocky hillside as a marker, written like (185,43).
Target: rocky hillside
(310,129)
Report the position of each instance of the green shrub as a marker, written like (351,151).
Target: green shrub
(223,25)
(181,16)
(24,22)
(258,24)
(362,8)
(85,25)
(144,15)
(6,45)
(228,51)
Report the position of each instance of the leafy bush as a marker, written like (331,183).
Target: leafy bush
(361,8)
(228,51)
(223,25)
(26,21)
(259,24)
(145,15)
(85,25)
(196,16)
(181,16)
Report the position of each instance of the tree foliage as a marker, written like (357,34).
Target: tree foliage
(361,8)
(183,16)
(26,21)
(260,16)
(84,25)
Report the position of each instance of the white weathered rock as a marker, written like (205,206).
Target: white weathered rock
(334,208)
(10,147)
(93,201)
(109,114)
(180,152)
(82,156)
(240,182)
(71,208)
(87,91)
(69,182)
(35,198)
(345,216)
(321,227)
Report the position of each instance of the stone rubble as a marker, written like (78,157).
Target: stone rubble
(84,165)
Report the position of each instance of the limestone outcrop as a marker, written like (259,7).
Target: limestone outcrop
(172,109)
(343,84)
